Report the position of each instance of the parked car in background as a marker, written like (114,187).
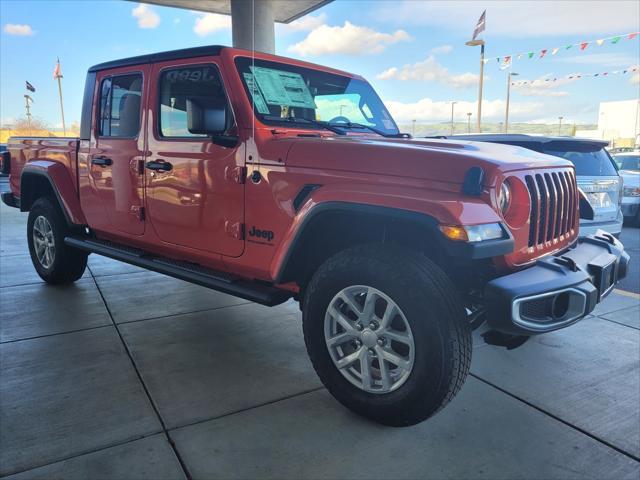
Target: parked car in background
(596,173)
(629,166)
(3,148)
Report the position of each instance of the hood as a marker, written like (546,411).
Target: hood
(429,159)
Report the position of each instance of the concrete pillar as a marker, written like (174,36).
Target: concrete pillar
(252,25)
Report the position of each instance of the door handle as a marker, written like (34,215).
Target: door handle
(101,161)
(159,165)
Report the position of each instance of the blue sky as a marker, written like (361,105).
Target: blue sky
(411,51)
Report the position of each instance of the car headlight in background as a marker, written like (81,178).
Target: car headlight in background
(631,192)
(473,233)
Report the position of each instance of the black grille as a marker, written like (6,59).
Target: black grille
(553,206)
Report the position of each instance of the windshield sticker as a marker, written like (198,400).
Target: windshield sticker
(283,88)
(258,99)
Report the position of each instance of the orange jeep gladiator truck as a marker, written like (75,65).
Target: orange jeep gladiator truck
(270,178)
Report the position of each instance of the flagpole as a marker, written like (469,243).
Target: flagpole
(26,106)
(64,128)
(480,87)
(59,76)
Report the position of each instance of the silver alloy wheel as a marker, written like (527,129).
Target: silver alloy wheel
(43,241)
(369,339)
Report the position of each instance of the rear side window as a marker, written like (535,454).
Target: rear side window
(201,83)
(588,160)
(120,99)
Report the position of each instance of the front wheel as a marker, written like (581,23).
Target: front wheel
(55,262)
(386,333)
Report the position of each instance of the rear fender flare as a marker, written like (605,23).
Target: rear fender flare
(61,185)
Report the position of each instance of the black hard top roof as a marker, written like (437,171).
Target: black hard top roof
(519,137)
(160,57)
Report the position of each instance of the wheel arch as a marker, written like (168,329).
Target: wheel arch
(44,178)
(332,226)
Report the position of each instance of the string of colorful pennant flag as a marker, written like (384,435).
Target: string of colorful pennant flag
(506,60)
(576,76)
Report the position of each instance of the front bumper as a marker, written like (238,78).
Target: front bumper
(558,290)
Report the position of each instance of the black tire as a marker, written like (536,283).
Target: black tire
(68,263)
(434,312)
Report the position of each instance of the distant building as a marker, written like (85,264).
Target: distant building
(618,122)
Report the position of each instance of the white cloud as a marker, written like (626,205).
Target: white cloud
(21,30)
(518,19)
(304,24)
(209,23)
(147,17)
(430,70)
(441,50)
(349,39)
(428,110)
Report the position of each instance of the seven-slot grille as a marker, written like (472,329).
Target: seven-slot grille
(553,206)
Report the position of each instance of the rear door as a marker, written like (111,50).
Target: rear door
(115,197)
(195,189)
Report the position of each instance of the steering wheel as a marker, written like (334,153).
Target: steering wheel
(340,119)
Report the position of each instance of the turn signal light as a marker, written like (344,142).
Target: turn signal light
(454,232)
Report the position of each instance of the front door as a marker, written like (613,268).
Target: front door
(195,191)
(114,200)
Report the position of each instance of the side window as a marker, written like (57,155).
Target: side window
(201,83)
(120,99)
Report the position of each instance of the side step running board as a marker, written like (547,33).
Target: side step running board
(220,281)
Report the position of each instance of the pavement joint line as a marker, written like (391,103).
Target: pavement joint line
(183,313)
(555,417)
(616,322)
(85,452)
(172,444)
(55,334)
(242,410)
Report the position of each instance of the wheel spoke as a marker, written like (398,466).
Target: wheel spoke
(365,368)
(341,338)
(350,303)
(396,336)
(342,320)
(384,371)
(349,359)
(389,313)
(395,359)
(369,305)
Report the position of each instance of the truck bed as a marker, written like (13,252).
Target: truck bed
(28,149)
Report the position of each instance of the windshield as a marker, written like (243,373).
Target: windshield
(628,162)
(281,92)
(588,160)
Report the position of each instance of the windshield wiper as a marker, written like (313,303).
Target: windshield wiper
(372,129)
(315,123)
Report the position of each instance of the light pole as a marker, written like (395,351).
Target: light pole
(468,122)
(413,128)
(452,104)
(560,124)
(506,113)
(475,43)
(341,107)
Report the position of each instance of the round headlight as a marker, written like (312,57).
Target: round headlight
(504,197)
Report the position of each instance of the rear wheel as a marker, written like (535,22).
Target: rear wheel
(54,261)
(386,333)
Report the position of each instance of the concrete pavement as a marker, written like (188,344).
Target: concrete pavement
(129,375)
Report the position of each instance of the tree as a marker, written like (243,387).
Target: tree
(38,126)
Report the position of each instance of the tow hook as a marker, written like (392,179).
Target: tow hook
(567,262)
(607,237)
(499,339)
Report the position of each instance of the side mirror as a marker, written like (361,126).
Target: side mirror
(205,120)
